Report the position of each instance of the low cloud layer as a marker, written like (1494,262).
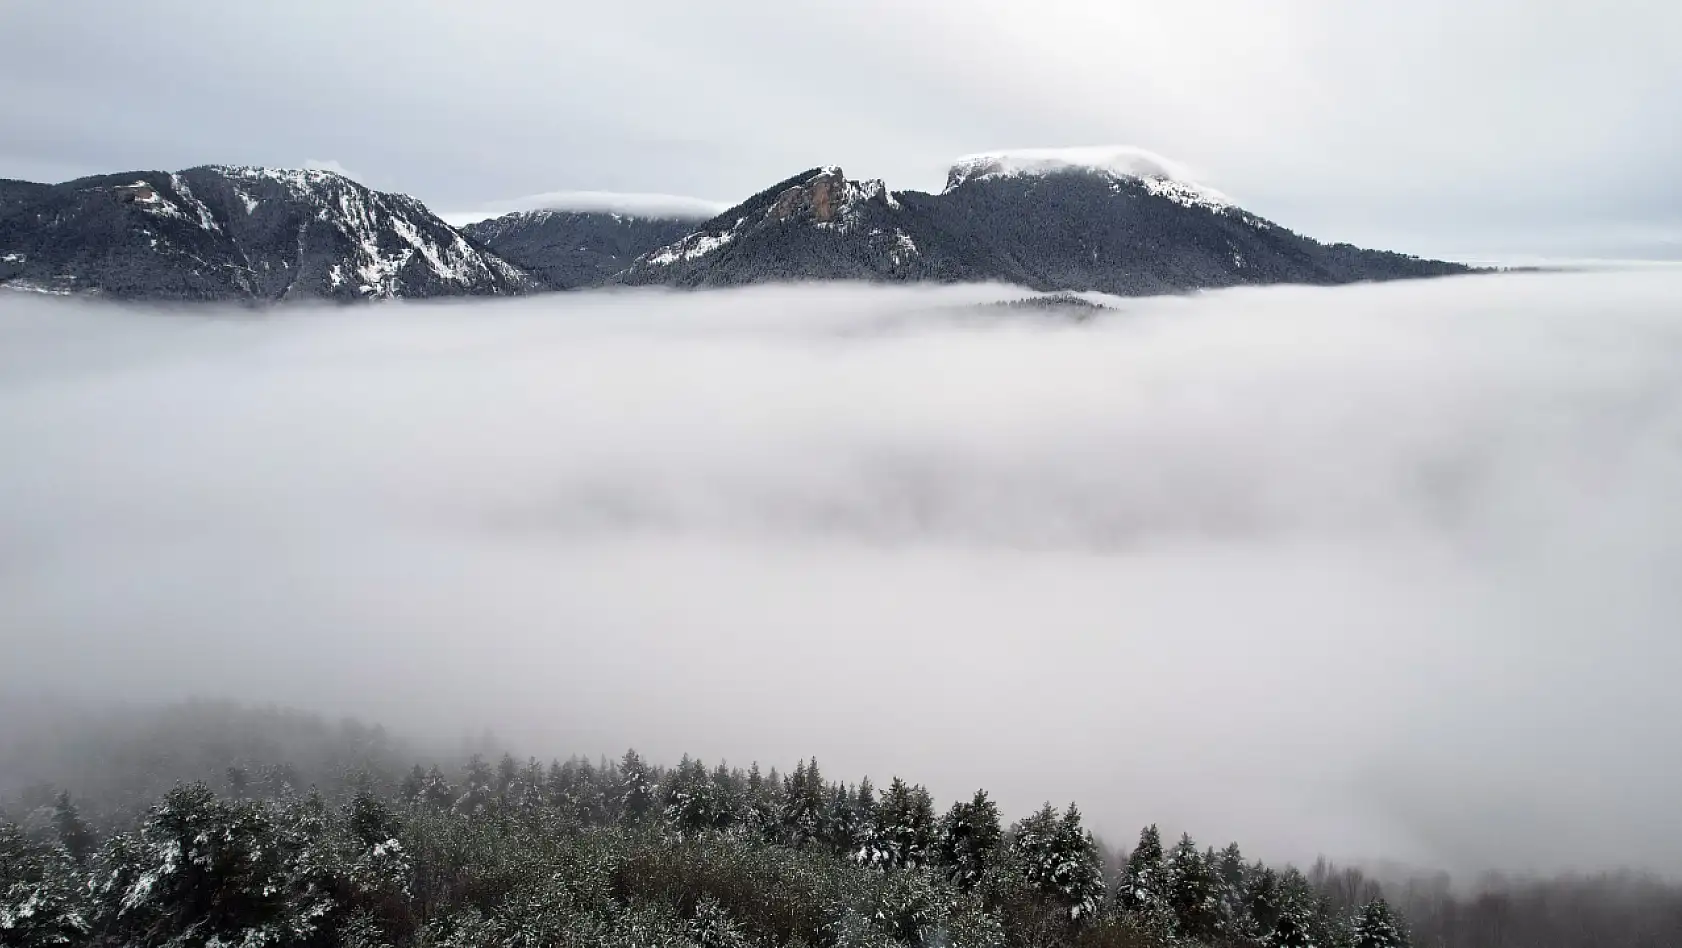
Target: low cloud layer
(612,202)
(1380,572)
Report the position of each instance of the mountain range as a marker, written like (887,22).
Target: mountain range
(1114,224)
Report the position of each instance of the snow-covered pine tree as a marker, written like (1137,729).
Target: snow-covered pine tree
(40,894)
(1376,926)
(692,803)
(867,826)
(1298,924)
(804,803)
(436,793)
(905,825)
(840,823)
(759,803)
(74,834)
(1193,891)
(1059,858)
(712,927)
(636,793)
(507,771)
(478,790)
(1144,885)
(200,871)
(1080,871)
(969,839)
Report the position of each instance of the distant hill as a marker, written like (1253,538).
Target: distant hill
(570,249)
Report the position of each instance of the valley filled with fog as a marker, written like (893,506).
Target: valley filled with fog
(1381,572)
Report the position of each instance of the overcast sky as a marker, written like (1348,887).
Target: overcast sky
(1501,125)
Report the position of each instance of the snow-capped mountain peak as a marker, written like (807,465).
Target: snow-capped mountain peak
(231,232)
(1160,176)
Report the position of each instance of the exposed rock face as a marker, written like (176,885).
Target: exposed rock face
(248,234)
(1048,228)
(816,199)
(815,225)
(570,249)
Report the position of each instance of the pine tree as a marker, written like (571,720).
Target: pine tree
(478,788)
(636,791)
(1080,871)
(1298,924)
(436,792)
(507,771)
(905,826)
(1229,870)
(410,788)
(1144,888)
(1059,858)
(1192,891)
(40,895)
(804,803)
(200,871)
(840,821)
(1377,927)
(692,802)
(867,826)
(73,834)
(1263,898)
(969,839)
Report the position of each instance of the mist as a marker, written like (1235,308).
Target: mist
(1381,572)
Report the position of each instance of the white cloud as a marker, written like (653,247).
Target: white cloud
(329,164)
(1118,159)
(640,205)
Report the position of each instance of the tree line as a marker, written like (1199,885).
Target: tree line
(173,845)
(578,853)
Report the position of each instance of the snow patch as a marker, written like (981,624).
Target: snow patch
(904,248)
(692,247)
(206,221)
(24,286)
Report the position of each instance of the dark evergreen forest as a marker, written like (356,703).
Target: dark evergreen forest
(213,825)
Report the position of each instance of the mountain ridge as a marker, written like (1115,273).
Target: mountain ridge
(226,232)
(1118,221)
(1059,228)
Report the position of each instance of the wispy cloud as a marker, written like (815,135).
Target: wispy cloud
(329,164)
(640,205)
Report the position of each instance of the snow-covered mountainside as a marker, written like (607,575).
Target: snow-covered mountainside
(1113,220)
(570,249)
(227,233)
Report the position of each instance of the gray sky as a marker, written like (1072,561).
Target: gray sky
(1377,571)
(1524,126)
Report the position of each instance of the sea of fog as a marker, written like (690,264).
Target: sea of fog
(1380,571)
